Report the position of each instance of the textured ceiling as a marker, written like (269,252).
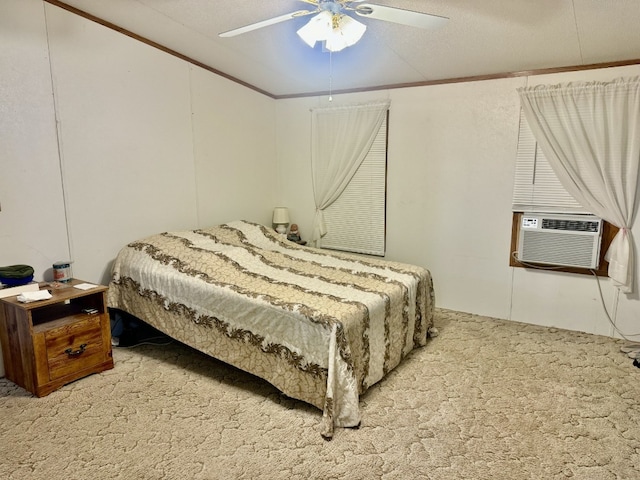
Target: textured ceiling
(481,38)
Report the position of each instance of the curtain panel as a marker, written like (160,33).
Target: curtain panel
(590,134)
(340,139)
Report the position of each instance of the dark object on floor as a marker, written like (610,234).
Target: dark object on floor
(131,331)
(636,363)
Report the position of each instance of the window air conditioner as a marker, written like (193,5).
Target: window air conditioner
(560,239)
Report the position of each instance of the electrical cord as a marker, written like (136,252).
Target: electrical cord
(604,307)
(514,255)
(633,349)
(149,341)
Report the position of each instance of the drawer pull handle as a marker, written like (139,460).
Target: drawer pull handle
(75,353)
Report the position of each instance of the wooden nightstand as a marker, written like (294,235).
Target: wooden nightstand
(49,343)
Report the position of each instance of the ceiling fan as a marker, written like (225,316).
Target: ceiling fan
(333,24)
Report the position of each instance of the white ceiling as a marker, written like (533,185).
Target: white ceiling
(482,37)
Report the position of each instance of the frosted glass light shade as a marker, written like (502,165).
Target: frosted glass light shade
(317,29)
(336,30)
(348,33)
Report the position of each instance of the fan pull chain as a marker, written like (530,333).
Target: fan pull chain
(330,74)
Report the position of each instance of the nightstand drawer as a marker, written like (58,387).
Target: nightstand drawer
(74,347)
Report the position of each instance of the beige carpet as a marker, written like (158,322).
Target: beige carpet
(486,399)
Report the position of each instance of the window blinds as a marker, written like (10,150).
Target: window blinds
(536,187)
(356,220)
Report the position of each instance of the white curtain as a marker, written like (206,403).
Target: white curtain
(340,139)
(590,134)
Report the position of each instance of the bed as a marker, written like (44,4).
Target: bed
(321,326)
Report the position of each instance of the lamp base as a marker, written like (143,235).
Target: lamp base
(281,229)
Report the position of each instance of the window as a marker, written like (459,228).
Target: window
(356,220)
(537,189)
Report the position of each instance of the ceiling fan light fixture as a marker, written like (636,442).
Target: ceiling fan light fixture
(336,30)
(317,29)
(347,33)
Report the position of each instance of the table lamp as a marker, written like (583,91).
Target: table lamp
(281,219)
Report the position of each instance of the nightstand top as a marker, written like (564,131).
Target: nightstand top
(60,292)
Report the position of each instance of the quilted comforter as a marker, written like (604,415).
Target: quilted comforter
(320,326)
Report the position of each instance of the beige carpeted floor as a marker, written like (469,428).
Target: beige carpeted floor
(486,399)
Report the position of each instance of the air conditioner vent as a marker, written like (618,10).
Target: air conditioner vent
(560,239)
(573,225)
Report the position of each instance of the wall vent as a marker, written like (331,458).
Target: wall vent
(559,239)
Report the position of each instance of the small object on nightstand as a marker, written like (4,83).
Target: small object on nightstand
(294,234)
(62,271)
(27,297)
(16,275)
(11,291)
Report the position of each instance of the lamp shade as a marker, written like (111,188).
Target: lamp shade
(280,215)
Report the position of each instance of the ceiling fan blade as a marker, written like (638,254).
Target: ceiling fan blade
(399,15)
(266,23)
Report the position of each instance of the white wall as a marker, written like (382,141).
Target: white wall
(235,150)
(151,143)
(451,162)
(126,141)
(32,216)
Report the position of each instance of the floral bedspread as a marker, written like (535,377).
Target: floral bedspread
(320,326)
